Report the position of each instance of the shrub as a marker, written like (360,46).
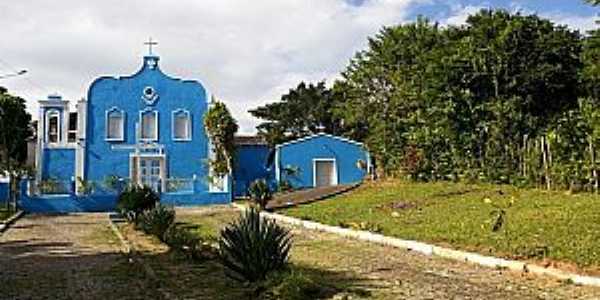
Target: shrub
(182,240)
(157,220)
(296,285)
(251,247)
(284,186)
(134,200)
(260,193)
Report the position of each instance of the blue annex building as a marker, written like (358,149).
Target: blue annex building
(147,129)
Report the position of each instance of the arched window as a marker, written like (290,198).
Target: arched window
(115,124)
(149,125)
(53,127)
(182,125)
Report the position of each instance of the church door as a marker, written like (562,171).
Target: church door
(150,172)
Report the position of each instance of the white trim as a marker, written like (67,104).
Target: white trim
(188,125)
(81,108)
(319,135)
(141,115)
(47,115)
(335,171)
(277,166)
(123,118)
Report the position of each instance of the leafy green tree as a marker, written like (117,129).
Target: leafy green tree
(304,110)
(434,101)
(590,74)
(15,129)
(221,128)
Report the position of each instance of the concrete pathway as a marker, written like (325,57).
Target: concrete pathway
(73,256)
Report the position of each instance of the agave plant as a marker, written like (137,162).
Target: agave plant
(252,247)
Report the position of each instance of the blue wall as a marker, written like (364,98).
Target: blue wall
(3,192)
(58,163)
(184,158)
(104,202)
(250,164)
(300,154)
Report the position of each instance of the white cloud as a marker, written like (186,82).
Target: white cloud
(459,14)
(245,52)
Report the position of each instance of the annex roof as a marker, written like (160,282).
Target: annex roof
(320,134)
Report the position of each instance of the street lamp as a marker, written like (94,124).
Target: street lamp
(19,73)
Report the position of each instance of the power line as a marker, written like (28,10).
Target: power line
(27,79)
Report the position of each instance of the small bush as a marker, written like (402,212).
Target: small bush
(157,220)
(295,285)
(284,186)
(260,193)
(251,247)
(186,242)
(134,200)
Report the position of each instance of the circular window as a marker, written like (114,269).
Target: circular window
(149,91)
(149,95)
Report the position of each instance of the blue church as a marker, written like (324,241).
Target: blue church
(147,129)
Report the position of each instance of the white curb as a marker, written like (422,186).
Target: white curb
(4,225)
(427,249)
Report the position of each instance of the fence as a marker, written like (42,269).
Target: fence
(179,185)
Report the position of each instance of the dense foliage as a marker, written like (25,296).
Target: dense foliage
(221,128)
(134,200)
(505,98)
(15,130)
(252,247)
(304,110)
(156,221)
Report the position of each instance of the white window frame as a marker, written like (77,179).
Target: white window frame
(49,114)
(123,122)
(335,170)
(142,113)
(174,115)
(69,131)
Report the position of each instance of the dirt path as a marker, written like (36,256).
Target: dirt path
(378,272)
(390,273)
(67,257)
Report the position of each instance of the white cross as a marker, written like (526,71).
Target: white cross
(150,43)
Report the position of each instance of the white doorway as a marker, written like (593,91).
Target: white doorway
(324,172)
(148,171)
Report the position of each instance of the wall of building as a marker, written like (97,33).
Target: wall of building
(58,164)
(184,158)
(251,164)
(300,155)
(102,201)
(4,191)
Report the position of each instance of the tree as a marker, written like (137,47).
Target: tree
(14,131)
(434,102)
(221,128)
(590,74)
(304,110)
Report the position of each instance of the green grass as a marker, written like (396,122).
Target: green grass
(539,224)
(5,213)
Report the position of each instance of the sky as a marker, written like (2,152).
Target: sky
(246,53)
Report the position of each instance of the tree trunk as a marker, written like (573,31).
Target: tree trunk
(593,165)
(543,145)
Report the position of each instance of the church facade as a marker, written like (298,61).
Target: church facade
(144,129)
(147,129)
